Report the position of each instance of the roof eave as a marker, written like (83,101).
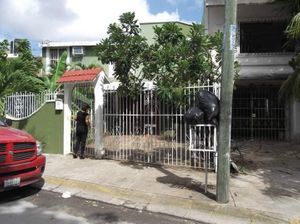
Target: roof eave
(68,43)
(240,2)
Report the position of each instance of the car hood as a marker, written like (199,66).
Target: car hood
(8,134)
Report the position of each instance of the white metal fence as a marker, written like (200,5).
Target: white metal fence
(145,129)
(22,105)
(150,130)
(203,141)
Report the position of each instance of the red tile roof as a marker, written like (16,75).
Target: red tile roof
(79,75)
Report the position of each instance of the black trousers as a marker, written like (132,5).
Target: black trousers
(80,141)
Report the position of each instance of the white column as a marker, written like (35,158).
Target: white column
(67,117)
(68,60)
(47,62)
(99,119)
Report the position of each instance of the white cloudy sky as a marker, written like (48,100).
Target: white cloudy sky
(66,20)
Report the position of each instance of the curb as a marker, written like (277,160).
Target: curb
(176,206)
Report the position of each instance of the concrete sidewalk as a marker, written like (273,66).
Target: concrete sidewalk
(174,191)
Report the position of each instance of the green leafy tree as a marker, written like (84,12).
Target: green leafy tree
(51,81)
(19,74)
(3,49)
(165,62)
(174,61)
(123,48)
(33,65)
(291,86)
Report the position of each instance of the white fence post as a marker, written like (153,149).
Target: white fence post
(99,119)
(67,117)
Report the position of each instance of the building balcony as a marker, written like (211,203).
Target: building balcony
(273,66)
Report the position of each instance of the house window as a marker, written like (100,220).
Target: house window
(264,37)
(55,55)
(78,51)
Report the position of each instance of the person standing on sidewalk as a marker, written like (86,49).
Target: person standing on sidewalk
(82,123)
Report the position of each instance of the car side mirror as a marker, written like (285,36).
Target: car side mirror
(8,122)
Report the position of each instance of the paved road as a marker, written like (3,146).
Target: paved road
(32,206)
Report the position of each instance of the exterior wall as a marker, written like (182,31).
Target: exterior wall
(89,57)
(46,126)
(215,19)
(215,15)
(147,29)
(261,12)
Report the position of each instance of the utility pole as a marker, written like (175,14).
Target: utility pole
(224,137)
(203,19)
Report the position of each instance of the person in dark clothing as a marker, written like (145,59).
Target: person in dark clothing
(82,123)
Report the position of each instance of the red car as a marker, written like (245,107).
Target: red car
(21,159)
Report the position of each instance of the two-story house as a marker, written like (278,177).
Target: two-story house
(84,52)
(257,113)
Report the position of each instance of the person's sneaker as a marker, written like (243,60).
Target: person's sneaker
(81,157)
(74,156)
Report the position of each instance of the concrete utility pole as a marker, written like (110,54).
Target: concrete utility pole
(223,169)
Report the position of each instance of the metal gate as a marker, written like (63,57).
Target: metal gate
(83,94)
(257,113)
(149,130)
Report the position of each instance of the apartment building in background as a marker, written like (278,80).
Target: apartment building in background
(263,57)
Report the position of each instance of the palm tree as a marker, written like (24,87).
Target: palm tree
(291,86)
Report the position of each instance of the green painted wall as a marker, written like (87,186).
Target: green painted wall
(148,31)
(46,126)
(89,57)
